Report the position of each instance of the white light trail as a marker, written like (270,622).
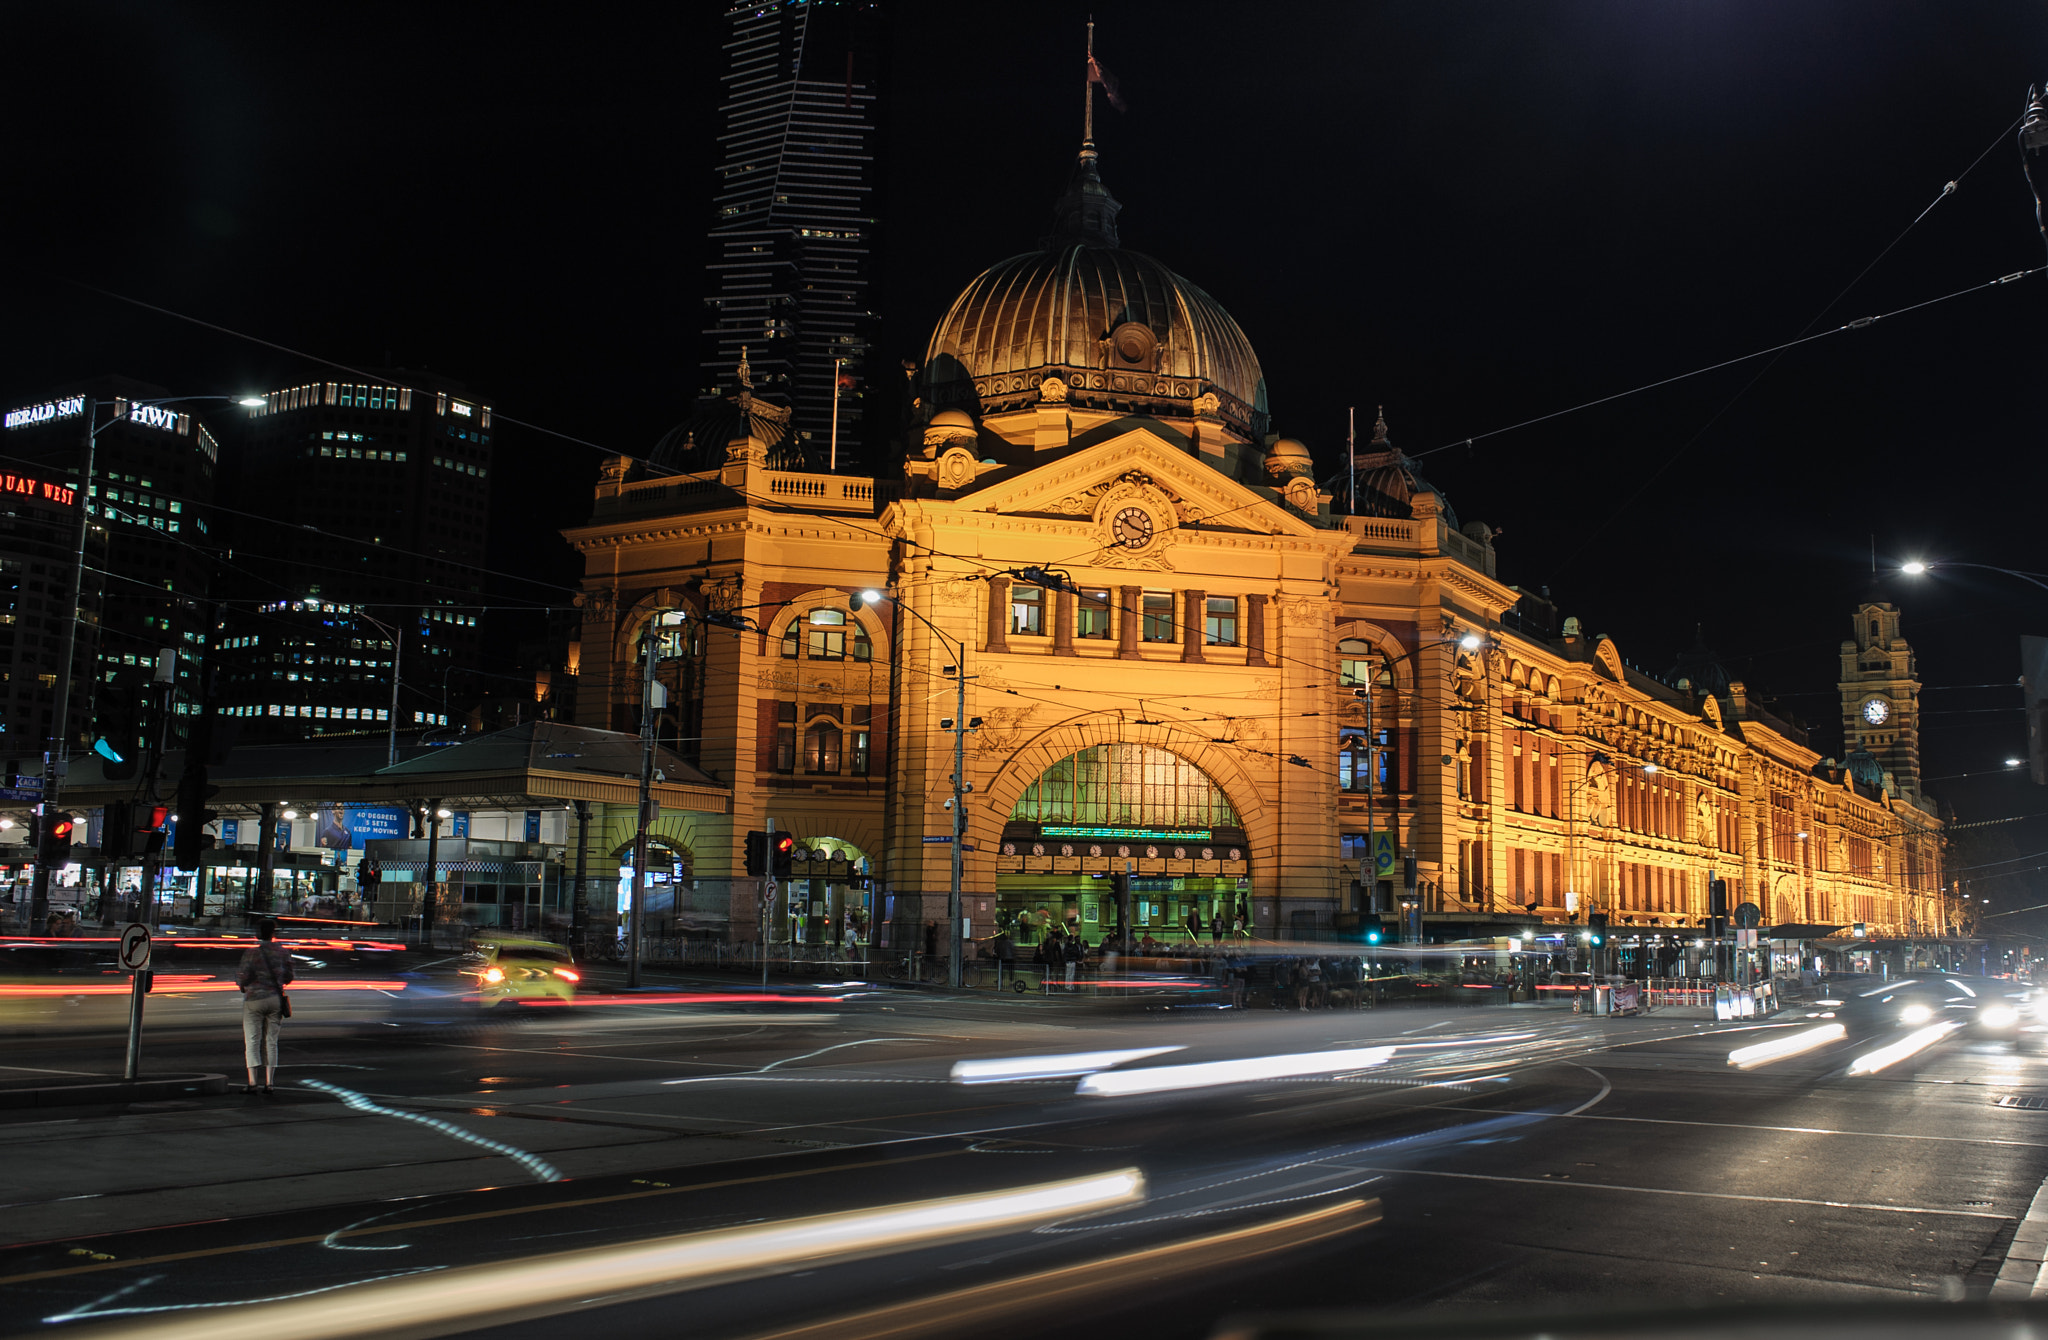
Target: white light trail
(1891,986)
(1009,1069)
(1777,1049)
(474,1297)
(1911,1045)
(1248,1070)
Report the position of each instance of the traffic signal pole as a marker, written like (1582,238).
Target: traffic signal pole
(647,649)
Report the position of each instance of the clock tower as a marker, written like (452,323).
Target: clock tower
(1881,695)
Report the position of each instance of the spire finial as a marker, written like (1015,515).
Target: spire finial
(746,371)
(1379,430)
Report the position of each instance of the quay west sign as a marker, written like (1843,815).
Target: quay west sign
(62,494)
(70,407)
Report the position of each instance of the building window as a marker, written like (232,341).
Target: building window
(1361,768)
(1354,664)
(1091,615)
(1158,617)
(792,637)
(821,748)
(828,635)
(785,737)
(863,649)
(858,720)
(1219,626)
(1027,610)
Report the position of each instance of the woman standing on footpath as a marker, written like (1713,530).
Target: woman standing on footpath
(266,967)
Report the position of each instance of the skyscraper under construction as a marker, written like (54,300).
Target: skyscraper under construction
(795,221)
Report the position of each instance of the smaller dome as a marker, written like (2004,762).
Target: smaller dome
(1289,456)
(953,418)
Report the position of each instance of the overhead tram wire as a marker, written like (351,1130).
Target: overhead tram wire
(338,366)
(298,527)
(1860,323)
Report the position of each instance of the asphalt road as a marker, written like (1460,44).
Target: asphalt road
(1517,1159)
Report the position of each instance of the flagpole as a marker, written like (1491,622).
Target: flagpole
(835,414)
(1088,90)
(1351,452)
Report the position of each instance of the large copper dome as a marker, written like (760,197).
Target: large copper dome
(1118,328)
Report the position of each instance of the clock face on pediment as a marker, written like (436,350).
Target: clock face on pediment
(1876,711)
(1132,527)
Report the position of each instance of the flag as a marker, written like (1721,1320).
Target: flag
(1098,75)
(843,381)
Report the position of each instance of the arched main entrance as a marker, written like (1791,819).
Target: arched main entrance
(1122,809)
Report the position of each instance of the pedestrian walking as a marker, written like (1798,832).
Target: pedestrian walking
(265,970)
(1076,954)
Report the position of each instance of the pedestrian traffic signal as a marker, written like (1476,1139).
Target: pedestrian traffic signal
(783,845)
(115,745)
(1596,928)
(757,852)
(193,816)
(1371,929)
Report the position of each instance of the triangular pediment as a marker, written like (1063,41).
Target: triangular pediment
(1149,471)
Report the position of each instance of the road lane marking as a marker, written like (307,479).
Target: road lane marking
(550,1207)
(1673,1191)
(2024,1273)
(540,1168)
(1606,1087)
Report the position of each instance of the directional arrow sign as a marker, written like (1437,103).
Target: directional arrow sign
(135,947)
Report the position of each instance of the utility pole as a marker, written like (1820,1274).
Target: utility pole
(650,644)
(954,975)
(57,760)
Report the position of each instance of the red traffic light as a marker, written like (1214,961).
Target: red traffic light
(60,828)
(784,844)
(158,815)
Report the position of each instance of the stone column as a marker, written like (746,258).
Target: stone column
(1194,605)
(1063,624)
(1255,630)
(1130,605)
(998,615)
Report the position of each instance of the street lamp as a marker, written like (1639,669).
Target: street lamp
(1916,568)
(56,762)
(959,725)
(397,636)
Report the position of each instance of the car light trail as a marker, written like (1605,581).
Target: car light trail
(1890,986)
(1998,1016)
(471,1297)
(1915,1014)
(1248,1070)
(1964,989)
(174,984)
(1777,1049)
(1009,1069)
(1911,1045)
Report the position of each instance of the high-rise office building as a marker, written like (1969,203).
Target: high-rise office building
(374,500)
(150,559)
(795,209)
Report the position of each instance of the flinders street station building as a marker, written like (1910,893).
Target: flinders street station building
(1182,663)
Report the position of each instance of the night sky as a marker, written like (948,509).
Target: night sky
(1473,214)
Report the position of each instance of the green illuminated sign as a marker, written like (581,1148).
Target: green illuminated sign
(1137,834)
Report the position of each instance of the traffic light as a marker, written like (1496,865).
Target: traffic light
(1371,929)
(153,836)
(757,852)
(55,846)
(1717,909)
(115,744)
(783,845)
(117,831)
(193,816)
(1596,927)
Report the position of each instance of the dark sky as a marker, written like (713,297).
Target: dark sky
(1474,213)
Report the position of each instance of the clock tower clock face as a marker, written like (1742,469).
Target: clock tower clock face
(1876,711)
(1132,528)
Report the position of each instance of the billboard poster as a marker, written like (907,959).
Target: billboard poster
(345,826)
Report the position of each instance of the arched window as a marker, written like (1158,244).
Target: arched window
(1126,784)
(827,640)
(1356,660)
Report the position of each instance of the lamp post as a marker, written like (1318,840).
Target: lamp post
(397,636)
(57,760)
(960,725)
(651,701)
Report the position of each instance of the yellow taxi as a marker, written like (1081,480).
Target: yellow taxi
(511,968)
